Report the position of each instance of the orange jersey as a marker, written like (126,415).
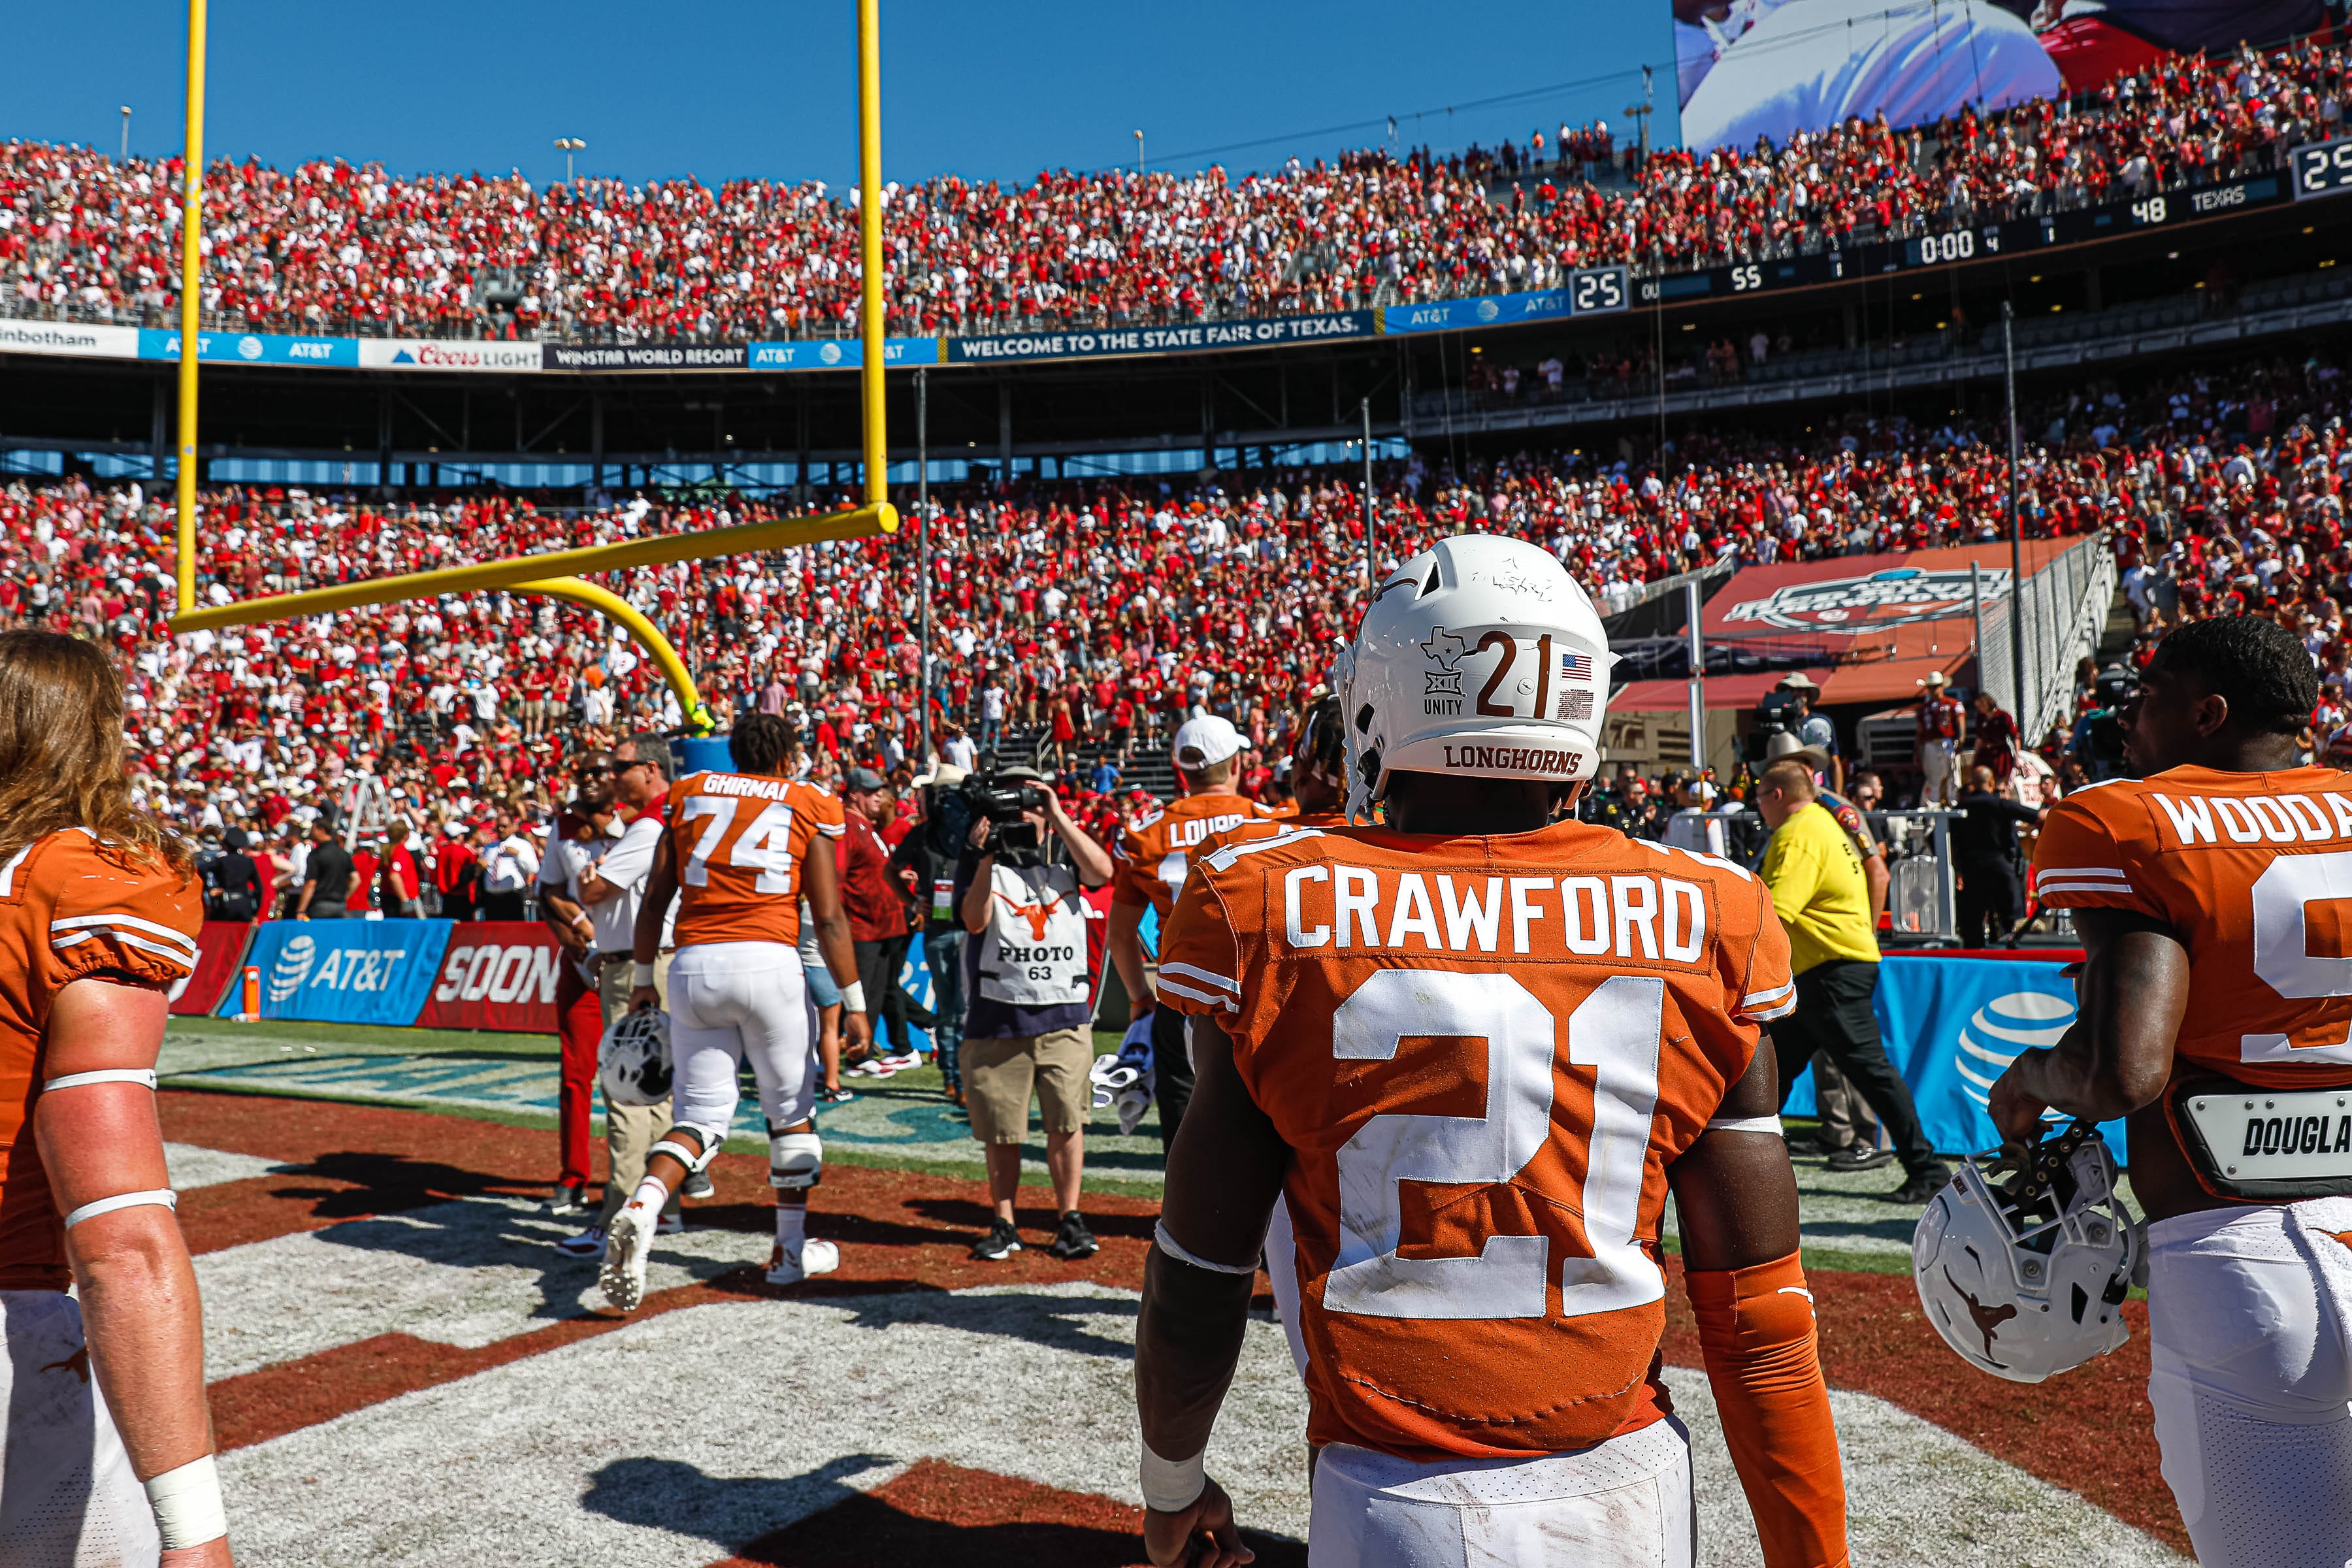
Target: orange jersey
(2253,871)
(1151,859)
(68,911)
(739,840)
(1483,1054)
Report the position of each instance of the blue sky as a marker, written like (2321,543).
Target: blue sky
(722,89)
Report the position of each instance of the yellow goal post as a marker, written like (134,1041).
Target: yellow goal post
(555,574)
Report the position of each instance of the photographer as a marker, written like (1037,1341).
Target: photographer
(1028,1023)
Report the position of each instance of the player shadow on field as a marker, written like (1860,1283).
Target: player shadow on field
(673,1494)
(387,1183)
(487,1229)
(969,1217)
(1042,1318)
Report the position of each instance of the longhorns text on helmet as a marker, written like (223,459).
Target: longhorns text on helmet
(1480,657)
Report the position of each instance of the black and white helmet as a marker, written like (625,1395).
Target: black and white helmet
(632,1062)
(1480,657)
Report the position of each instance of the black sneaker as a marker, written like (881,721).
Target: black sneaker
(565,1200)
(1074,1239)
(697,1185)
(1921,1184)
(1000,1243)
(1859,1157)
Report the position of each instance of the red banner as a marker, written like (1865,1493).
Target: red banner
(495,974)
(220,947)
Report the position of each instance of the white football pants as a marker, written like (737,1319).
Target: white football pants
(1624,1504)
(2250,1335)
(68,1497)
(1282,1269)
(730,1002)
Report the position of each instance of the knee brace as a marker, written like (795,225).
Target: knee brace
(700,1146)
(795,1159)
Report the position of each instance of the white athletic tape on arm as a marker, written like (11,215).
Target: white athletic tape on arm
(1173,1485)
(188,1504)
(640,973)
(1770,1124)
(853,996)
(1175,1249)
(164,1195)
(144,1077)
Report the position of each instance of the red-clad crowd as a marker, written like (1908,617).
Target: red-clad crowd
(329,246)
(1083,620)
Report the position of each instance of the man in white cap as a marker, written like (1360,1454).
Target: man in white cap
(1149,866)
(1942,721)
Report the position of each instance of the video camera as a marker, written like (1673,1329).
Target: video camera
(1001,796)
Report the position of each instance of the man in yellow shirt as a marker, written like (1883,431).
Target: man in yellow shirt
(1817,887)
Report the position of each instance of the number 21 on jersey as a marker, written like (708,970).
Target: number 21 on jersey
(1615,1030)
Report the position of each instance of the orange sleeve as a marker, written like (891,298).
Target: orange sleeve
(2094,852)
(136,924)
(1756,1334)
(1128,855)
(1200,961)
(1757,986)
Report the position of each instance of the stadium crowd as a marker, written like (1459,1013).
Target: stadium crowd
(1079,622)
(330,246)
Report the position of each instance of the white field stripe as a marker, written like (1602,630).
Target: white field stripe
(128,940)
(192,1167)
(2109,873)
(468,1273)
(1192,973)
(117,918)
(1207,999)
(557,1458)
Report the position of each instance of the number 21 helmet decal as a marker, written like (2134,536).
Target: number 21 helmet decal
(1480,657)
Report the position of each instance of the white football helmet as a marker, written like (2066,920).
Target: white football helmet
(2023,1266)
(633,1061)
(1480,657)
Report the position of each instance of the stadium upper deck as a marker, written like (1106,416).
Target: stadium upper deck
(330,247)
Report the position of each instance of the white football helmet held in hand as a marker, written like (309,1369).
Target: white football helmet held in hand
(1480,657)
(633,1061)
(2023,1263)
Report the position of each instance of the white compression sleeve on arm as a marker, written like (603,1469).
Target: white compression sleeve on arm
(188,1504)
(853,996)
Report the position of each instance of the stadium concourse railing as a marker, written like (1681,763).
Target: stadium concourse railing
(1952,235)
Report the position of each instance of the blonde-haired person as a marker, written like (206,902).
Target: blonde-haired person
(99,914)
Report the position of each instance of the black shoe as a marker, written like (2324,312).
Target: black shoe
(1921,1184)
(1859,1157)
(565,1200)
(1000,1243)
(1074,1239)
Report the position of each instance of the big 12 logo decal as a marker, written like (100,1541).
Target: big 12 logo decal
(1890,598)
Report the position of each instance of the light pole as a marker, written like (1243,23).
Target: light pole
(1371,557)
(126,133)
(2016,529)
(1139,153)
(568,145)
(923,521)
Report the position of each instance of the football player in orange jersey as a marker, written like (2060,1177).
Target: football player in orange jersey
(1148,865)
(1473,1050)
(98,915)
(740,852)
(2216,1012)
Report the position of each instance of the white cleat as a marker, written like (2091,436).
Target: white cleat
(626,1247)
(816,1258)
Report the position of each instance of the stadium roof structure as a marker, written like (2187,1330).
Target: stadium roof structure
(555,574)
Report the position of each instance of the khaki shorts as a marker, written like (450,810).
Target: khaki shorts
(998,1076)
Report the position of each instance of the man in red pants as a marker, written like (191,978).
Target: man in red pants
(581,836)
